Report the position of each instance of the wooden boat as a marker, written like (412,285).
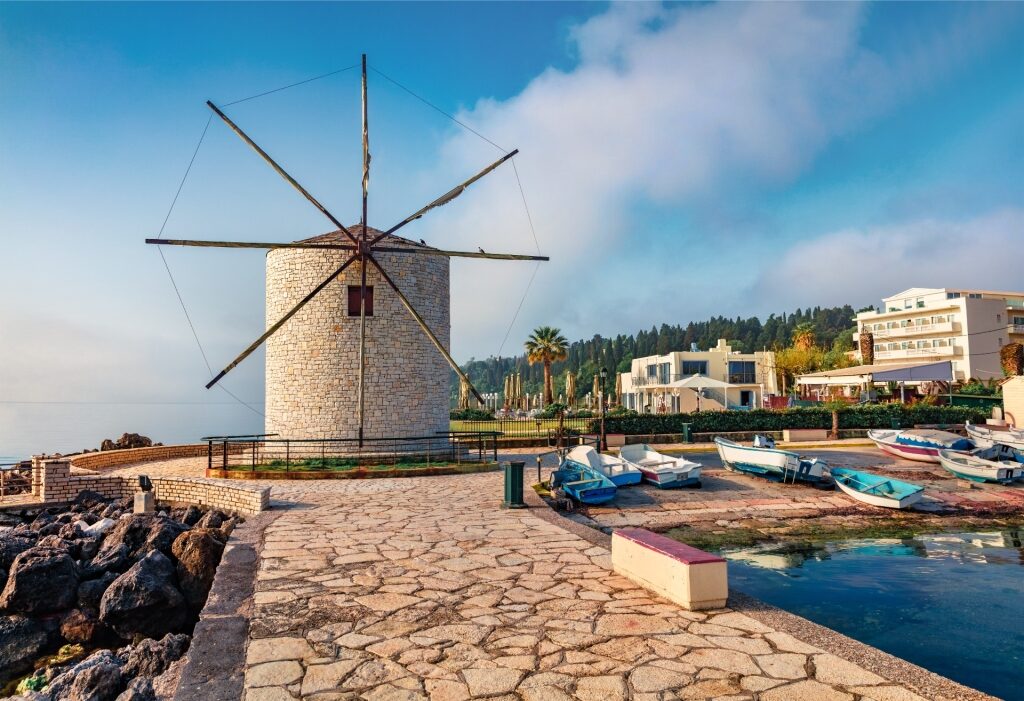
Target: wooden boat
(663,471)
(876,489)
(582,483)
(978,467)
(921,444)
(770,462)
(985,437)
(621,473)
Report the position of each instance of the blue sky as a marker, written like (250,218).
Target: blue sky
(679,160)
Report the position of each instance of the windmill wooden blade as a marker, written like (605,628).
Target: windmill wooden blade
(280,322)
(446,197)
(280,171)
(426,329)
(250,244)
(457,254)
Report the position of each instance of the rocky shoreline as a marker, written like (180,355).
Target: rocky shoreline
(97,602)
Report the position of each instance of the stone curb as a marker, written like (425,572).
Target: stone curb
(215,663)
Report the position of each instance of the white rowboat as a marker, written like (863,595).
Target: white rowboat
(985,437)
(772,463)
(663,471)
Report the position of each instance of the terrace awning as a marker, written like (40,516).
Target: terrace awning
(864,374)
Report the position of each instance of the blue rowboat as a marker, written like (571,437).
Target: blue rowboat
(877,490)
(620,472)
(770,462)
(582,483)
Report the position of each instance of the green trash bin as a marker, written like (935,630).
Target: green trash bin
(686,434)
(514,486)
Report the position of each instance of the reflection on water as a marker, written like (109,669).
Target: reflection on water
(952,603)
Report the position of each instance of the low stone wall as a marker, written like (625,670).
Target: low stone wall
(52,481)
(114,458)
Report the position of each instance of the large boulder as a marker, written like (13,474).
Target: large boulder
(112,560)
(139,689)
(144,600)
(91,591)
(84,627)
(41,580)
(198,553)
(88,499)
(22,641)
(141,533)
(151,658)
(12,545)
(96,678)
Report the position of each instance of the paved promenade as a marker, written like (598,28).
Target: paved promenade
(423,588)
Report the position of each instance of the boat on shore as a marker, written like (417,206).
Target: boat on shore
(663,471)
(985,437)
(620,472)
(583,484)
(921,444)
(764,460)
(877,490)
(984,465)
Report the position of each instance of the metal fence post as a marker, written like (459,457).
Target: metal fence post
(224,455)
(209,455)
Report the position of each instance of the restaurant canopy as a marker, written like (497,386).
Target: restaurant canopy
(865,374)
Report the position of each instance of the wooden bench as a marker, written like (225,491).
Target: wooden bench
(678,572)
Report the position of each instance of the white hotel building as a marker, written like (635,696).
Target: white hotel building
(928,325)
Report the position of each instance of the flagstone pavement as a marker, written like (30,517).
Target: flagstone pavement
(423,589)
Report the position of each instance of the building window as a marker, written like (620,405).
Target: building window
(742,372)
(695,367)
(952,295)
(353,300)
(907,304)
(999,318)
(974,295)
(664,372)
(652,371)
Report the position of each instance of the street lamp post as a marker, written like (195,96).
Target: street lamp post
(603,445)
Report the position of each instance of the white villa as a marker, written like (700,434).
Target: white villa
(685,381)
(929,325)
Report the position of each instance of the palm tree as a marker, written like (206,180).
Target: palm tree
(803,336)
(546,345)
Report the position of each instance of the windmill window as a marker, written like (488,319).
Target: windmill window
(353,300)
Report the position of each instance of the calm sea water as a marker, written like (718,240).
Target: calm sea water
(27,429)
(951,603)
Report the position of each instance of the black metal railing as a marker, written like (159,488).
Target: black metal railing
(262,452)
(526,427)
(15,479)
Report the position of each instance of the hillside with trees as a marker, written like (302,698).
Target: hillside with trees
(831,328)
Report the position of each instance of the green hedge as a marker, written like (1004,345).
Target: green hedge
(471,415)
(870,416)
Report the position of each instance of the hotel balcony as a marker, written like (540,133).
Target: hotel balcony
(1016,329)
(945,328)
(915,353)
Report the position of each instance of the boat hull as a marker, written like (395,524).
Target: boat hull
(771,463)
(978,470)
(671,479)
(583,484)
(900,495)
(920,451)
(986,438)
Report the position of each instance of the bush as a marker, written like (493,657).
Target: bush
(551,411)
(871,416)
(471,415)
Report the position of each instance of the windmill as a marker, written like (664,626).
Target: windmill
(361,245)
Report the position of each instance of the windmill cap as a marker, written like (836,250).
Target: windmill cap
(339,236)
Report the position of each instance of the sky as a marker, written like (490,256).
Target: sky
(678,161)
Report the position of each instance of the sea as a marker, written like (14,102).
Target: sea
(28,429)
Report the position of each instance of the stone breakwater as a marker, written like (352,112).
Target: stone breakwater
(95,575)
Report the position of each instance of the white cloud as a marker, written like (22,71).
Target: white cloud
(860,266)
(671,107)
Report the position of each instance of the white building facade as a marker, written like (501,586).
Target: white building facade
(653,383)
(966,327)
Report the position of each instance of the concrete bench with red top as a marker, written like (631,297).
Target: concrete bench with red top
(678,572)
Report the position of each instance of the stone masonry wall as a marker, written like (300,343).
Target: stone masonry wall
(52,481)
(312,362)
(113,458)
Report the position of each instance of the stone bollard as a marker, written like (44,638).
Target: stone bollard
(145,500)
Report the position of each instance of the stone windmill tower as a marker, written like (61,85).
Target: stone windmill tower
(358,322)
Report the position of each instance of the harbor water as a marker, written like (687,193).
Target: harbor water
(951,603)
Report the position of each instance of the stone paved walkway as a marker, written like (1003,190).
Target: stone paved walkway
(422,588)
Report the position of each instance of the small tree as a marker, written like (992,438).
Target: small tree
(546,345)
